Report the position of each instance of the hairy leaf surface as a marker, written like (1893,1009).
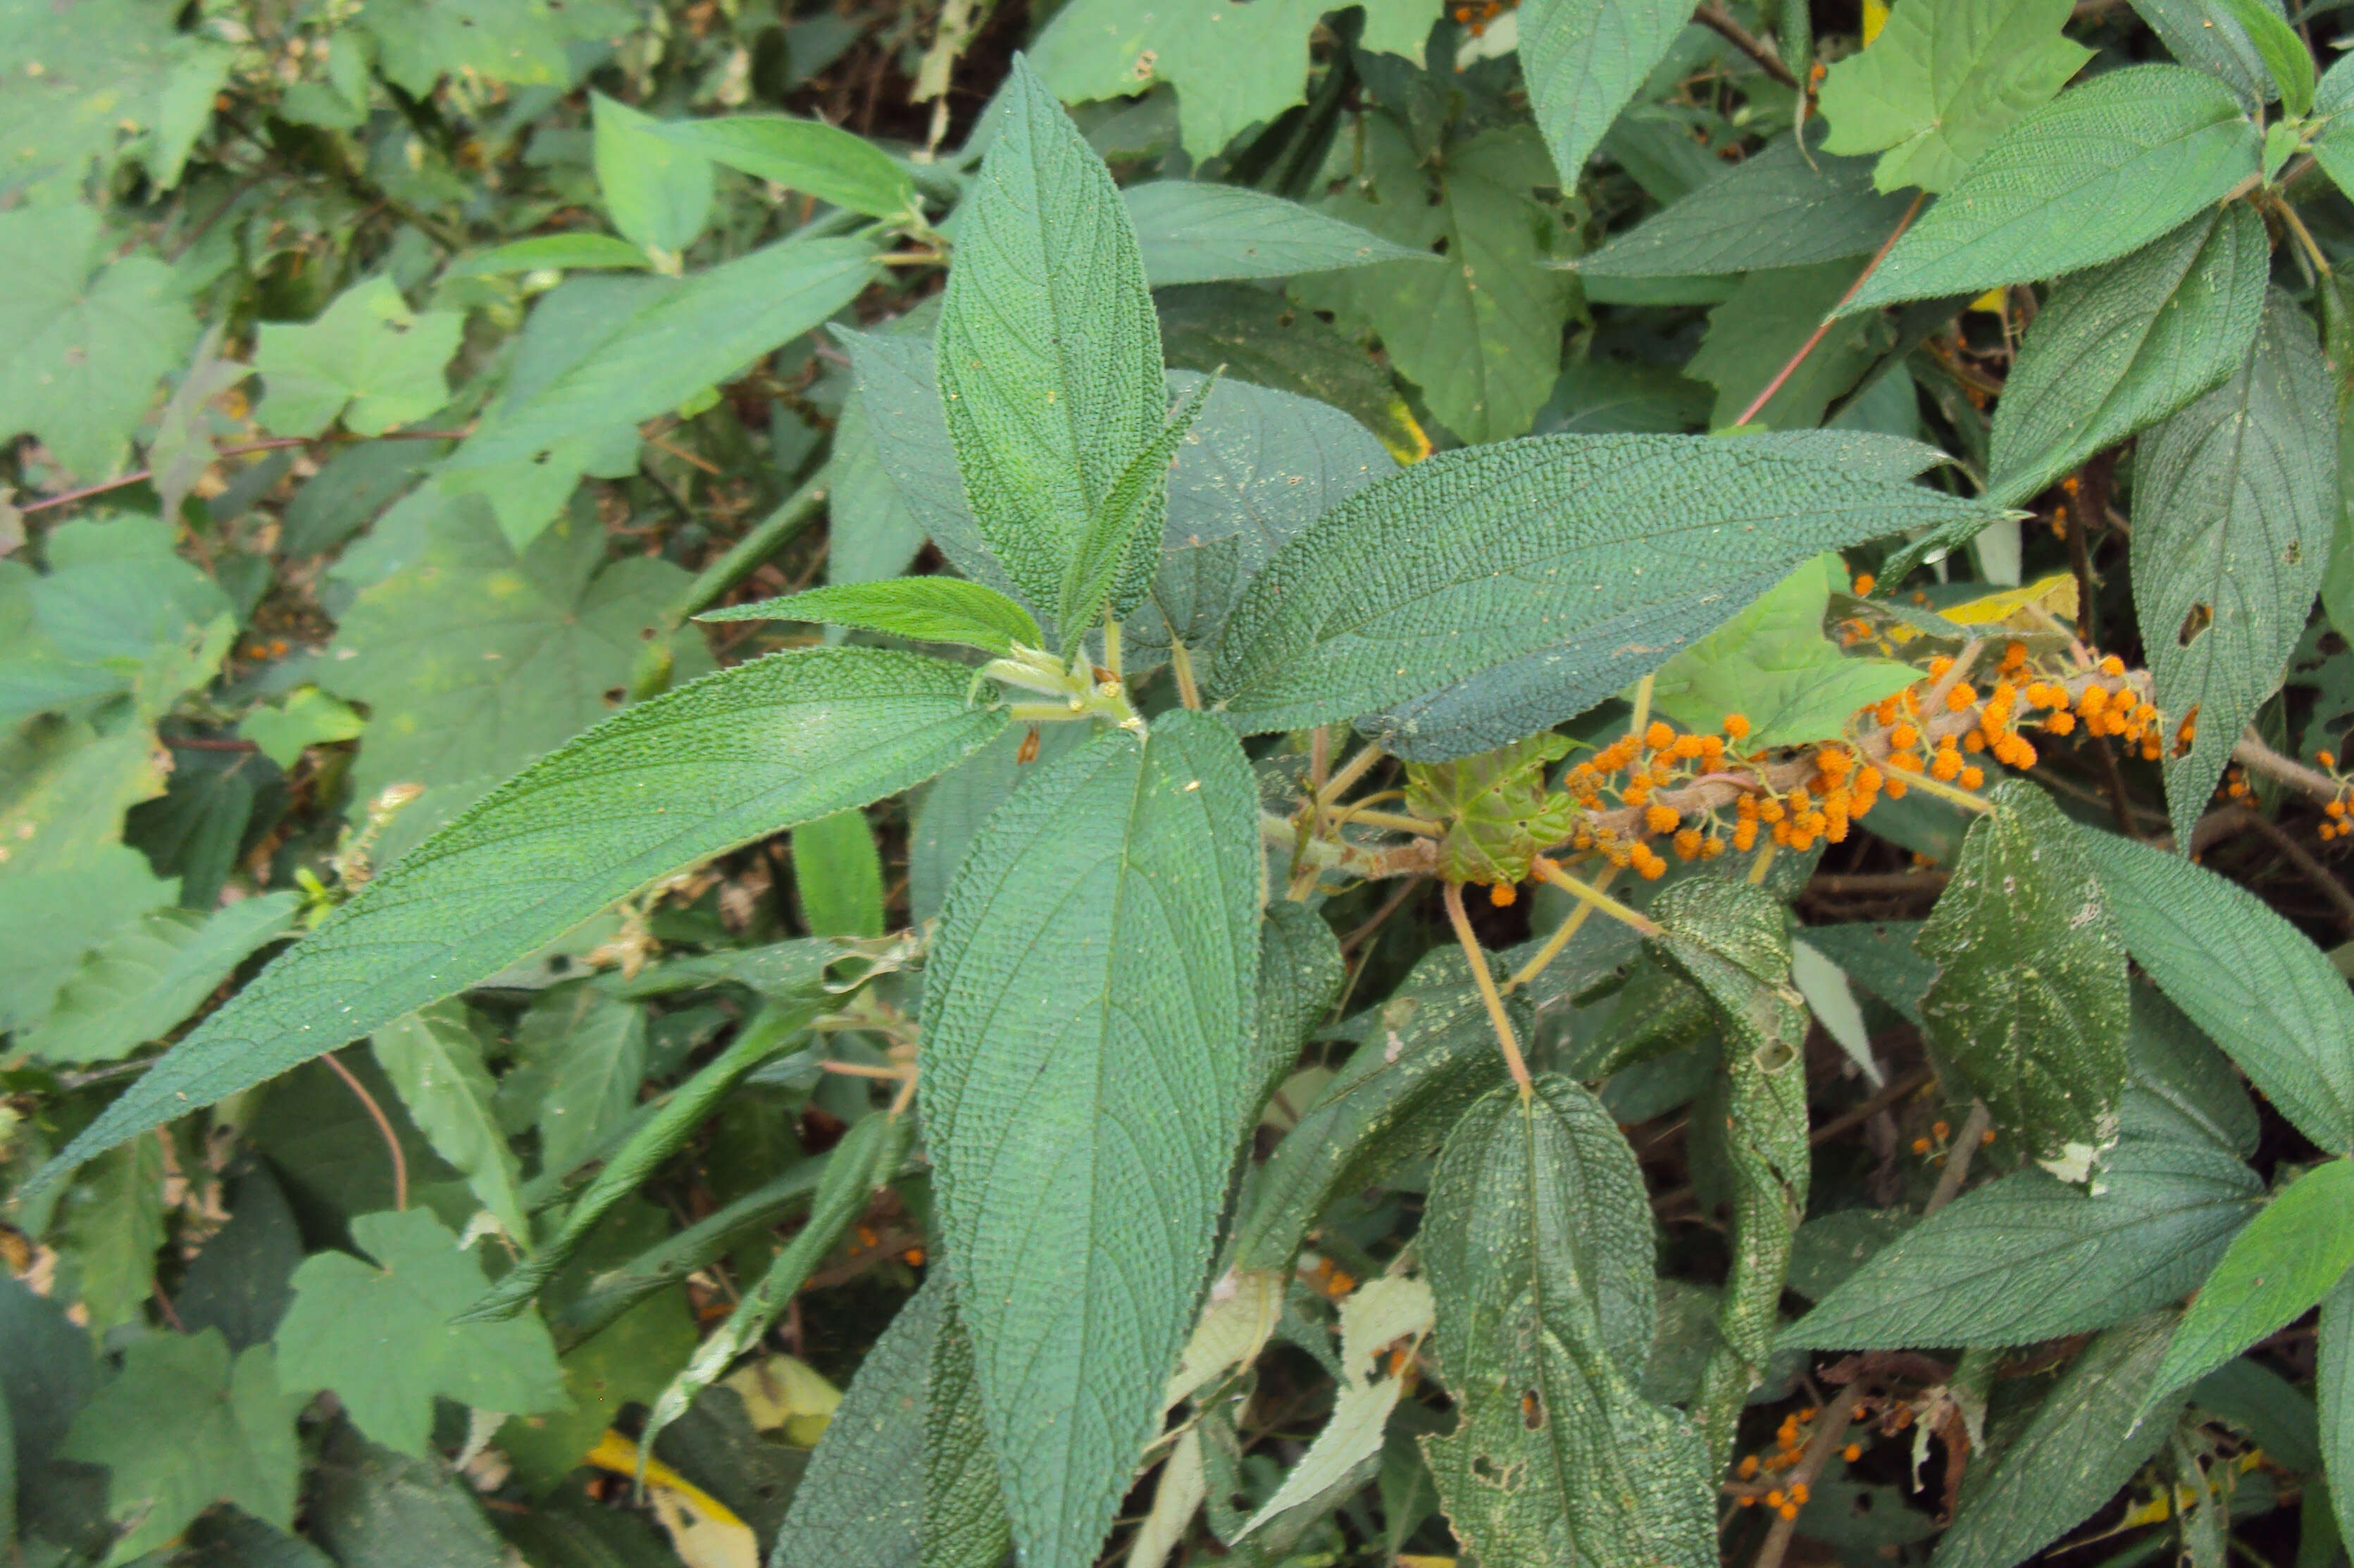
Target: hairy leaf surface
(1584,60)
(1194,232)
(2291,1255)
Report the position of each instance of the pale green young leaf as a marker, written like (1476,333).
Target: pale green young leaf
(1234,67)
(2031,999)
(182,1427)
(2334,1357)
(838,875)
(2235,504)
(434,1060)
(806,155)
(1113,560)
(2120,348)
(1049,355)
(861,1499)
(964,1511)
(2149,145)
(2243,974)
(1486,594)
(2290,1255)
(1378,1312)
(368,358)
(657,191)
(152,974)
(578,250)
(2285,57)
(778,741)
(2085,1442)
(1191,231)
(1757,331)
(1942,80)
(121,82)
(1122,1041)
(307,718)
(923,609)
(1584,60)
(1539,1247)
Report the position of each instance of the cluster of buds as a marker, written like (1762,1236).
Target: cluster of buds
(1476,19)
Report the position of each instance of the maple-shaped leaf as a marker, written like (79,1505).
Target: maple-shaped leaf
(379,1333)
(367,357)
(1496,808)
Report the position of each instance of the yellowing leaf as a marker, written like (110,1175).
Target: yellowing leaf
(2017,608)
(703,1532)
(786,1392)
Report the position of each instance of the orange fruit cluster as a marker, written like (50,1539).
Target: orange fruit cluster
(1476,18)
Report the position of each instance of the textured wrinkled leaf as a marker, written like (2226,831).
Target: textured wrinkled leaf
(1538,1245)
(434,1060)
(925,610)
(1300,972)
(2120,348)
(2333,147)
(862,1498)
(1583,60)
(657,191)
(809,156)
(151,975)
(1774,208)
(2289,1256)
(184,1428)
(368,358)
(1116,554)
(1049,355)
(871,535)
(2235,502)
(2148,146)
(2030,998)
(736,756)
(2083,1442)
(379,1332)
(964,1516)
(2243,974)
(2210,35)
(1195,232)
(2335,1365)
(1488,594)
(1078,1087)
(1256,335)
(899,386)
(2287,59)
(1942,80)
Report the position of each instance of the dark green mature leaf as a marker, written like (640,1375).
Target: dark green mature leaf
(925,610)
(861,1501)
(433,1058)
(1049,353)
(826,162)
(380,1333)
(152,974)
(112,1224)
(2148,146)
(2030,998)
(2290,1256)
(580,1055)
(181,1429)
(1539,1246)
(899,386)
(871,533)
(239,1282)
(2086,1442)
(1754,336)
(2120,348)
(2335,1364)
(1774,208)
(372,1507)
(2211,36)
(964,1510)
(1256,335)
(1092,1004)
(1484,595)
(2235,502)
(2333,148)
(1300,972)
(1584,60)
(368,359)
(1190,231)
(738,755)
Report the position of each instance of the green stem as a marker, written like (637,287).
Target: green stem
(743,558)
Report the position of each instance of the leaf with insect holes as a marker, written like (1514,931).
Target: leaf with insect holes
(2235,504)
(923,609)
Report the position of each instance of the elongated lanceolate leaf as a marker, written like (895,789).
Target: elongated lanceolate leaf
(1049,353)
(861,1499)
(651,791)
(2334,1355)
(1191,232)
(1483,595)
(152,974)
(2120,348)
(1116,555)
(2248,978)
(928,610)
(2101,170)
(1539,1246)
(2290,1256)
(434,1060)
(808,156)
(1583,60)
(1088,1069)
(964,1510)
(2235,502)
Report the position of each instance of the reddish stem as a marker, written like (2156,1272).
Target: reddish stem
(1808,347)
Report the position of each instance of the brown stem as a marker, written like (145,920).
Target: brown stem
(1452,895)
(2229,819)
(1808,347)
(1830,1430)
(383,1125)
(273,444)
(1718,20)
(1904,1088)
(2253,754)
(1958,1160)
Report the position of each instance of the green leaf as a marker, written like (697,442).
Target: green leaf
(1049,354)
(1191,231)
(953,807)
(367,357)
(899,386)
(964,1510)
(1114,558)
(2030,998)
(1942,80)
(2289,1256)
(1760,330)
(1539,1246)
(377,1332)
(2335,1364)
(2235,504)
(1232,67)
(838,875)
(1497,810)
(181,1429)
(1584,60)
(1255,335)
(1773,664)
(88,340)
(238,1283)
(924,609)
(434,1060)
(2149,145)
(782,740)
(151,975)
(2120,348)
(307,719)
(2285,58)
(550,252)
(861,1501)
(369,1505)
(112,1224)
(2243,974)
(1483,595)
(2209,33)
(1121,1043)
(2333,147)
(2085,1442)
(871,533)
(518,41)
(106,68)
(1480,336)
(657,191)
(582,1056)
(806,155)
(1777,207)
